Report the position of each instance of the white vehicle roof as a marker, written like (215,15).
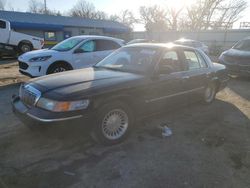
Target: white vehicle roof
(97,37)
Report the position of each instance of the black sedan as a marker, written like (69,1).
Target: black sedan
(237,59)
(132,82)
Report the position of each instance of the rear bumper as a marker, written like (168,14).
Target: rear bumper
(38,116)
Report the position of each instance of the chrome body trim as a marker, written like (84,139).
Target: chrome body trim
(32,90)
(53,120)
(173,95)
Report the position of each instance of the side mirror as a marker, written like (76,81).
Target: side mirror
(78,51)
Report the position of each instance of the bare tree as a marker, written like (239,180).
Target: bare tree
(38,7)
(83,9)
(2,4)
(213,14)
(173,17)
(154,18)
(126,17)
(230,13)
(100,15)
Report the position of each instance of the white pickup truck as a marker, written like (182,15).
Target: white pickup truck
(18,42)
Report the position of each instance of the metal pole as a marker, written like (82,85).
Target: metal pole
(45,6)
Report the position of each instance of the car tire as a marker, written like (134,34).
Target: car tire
(209,93)
(113,124)
(25,47)
(58,67)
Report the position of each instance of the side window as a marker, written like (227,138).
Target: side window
(202,60)
(192,60)
(170,61)
(89,46)
(2,24)
(103,45)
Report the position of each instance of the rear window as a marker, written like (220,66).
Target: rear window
(2,24)
(103,45)
(192,60)
(202,61)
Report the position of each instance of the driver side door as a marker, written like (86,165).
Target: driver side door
(167,87)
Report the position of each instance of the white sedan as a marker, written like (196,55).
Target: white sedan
(73,53)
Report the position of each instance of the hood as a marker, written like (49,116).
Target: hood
(237,53)
(80,82)
(36,53)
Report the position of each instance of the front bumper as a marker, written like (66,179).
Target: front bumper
(34,69)
(36,116)
(236,68)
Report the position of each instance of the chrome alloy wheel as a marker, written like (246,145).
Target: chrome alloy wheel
(59,69)
(115,124)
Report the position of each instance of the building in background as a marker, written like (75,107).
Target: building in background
(57,28)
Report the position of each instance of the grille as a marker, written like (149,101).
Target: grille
(29,95)
(23,65)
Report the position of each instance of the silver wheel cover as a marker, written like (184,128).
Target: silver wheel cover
(115,124)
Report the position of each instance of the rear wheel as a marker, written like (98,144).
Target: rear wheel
(113,124)
(209,94)
(58,67)
(25,47)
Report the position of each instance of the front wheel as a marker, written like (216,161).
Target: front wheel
(58,67)
(209,94)
(113,124)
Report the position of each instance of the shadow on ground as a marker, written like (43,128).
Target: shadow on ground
(208,148)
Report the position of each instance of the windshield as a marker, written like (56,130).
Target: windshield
(67,44)
(242,45)
(129,59)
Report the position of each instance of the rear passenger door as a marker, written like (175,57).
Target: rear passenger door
(104,48)
(197,73)
(84,55)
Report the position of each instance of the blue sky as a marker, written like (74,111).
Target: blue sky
(109,6)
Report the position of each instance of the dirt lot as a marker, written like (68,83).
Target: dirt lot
(210,147)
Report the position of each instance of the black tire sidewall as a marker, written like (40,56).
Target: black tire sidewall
(213,86)
(20,47)
(52,68)
(97,133)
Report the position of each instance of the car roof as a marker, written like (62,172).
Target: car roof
(159,45)
(96,37)
(186,40)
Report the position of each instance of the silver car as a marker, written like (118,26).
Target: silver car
(193,43)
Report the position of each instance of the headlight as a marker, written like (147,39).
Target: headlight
(62,106)
(42,58)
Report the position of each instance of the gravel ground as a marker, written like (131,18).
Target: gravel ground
(209,147)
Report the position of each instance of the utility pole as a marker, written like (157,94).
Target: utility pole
(45,6)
